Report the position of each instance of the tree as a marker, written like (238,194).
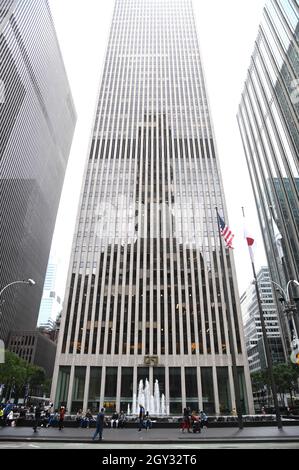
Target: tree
(13,372)
(285,377)
(258,380)
(16,373)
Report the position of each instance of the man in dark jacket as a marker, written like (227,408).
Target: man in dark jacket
(141,416)
(37,415)
(99,425)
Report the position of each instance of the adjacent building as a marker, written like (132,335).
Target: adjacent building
(37,121)
(268,118)
(51,303)
(147,294)
(35,348)
(252,323)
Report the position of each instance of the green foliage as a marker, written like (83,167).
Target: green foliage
(258,380)
(285,378)
(15,371)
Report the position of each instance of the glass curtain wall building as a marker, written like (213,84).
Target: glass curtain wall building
(147,297)
(268,118)
(37,121)
(252,324)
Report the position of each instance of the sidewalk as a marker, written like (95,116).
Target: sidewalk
(252,434)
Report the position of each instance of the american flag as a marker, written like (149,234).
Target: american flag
(225,232)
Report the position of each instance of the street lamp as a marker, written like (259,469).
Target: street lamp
(289,307)
(30,282)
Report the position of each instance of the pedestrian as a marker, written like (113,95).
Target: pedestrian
(1,416)
(203,419)
(147,421)
(122,420)
(100,422)
(61,417)
(7,409)
(37,416)
(114,419)
(53,419)
(141,417)
(196,422)
(79,417)
(85,422)
(186,420)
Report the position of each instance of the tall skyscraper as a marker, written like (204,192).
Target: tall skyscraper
(37,121)
(252,323)
(268,118)
(51,304)
(147,297)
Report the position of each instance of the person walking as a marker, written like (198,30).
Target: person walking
(203,420)
(141,417)
(7,409)
(37,416)
(99,425)
(186,420)
(61,417)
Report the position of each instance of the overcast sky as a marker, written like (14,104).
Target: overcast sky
(227,31)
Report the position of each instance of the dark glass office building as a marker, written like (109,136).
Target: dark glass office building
(268,118)
(37,121)
(147,296)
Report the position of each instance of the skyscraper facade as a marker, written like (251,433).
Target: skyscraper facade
(268,118)
(37,121)
(51,304)
(147,297)
(252,323)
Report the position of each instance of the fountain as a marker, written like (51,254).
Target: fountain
(154,404)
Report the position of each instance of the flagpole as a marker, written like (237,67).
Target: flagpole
(230,336)
(266,345)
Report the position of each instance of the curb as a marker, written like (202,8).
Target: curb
(155,441)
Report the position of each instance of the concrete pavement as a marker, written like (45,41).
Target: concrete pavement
(122,436)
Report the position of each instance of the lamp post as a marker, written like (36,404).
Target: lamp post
(289,307)
(30,282)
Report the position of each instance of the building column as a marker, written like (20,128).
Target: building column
(54,383)
(216,394)
(86,388)
(248,390)
(167,388)
(103,382)
(183,388)
(151,378)
(118,388)
(71,386)
(134,385)
(199,388)
(232,388)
